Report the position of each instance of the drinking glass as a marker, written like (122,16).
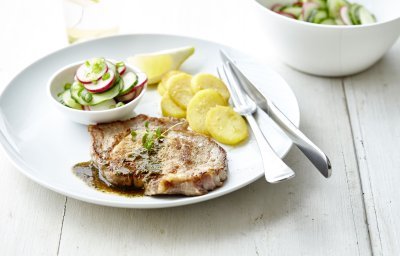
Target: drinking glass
(88,19)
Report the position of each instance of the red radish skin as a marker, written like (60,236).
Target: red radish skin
(289,15)
(121,70)
(101,85)
(127,97)
(131,95)
(81,74)
(138,91)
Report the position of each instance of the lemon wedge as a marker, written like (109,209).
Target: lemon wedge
(157,64)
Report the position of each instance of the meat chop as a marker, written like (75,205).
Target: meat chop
(183,162)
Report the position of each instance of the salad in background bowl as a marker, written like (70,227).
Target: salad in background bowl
(97,90)
(331,49)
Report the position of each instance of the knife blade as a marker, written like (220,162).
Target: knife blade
(309,149)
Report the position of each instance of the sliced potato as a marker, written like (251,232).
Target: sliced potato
(199,106)
(162,84)
(169,108)
(226,126)
(207,81)
(179,89)
(169,75)
(161,88)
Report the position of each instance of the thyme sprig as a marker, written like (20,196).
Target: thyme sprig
(151,137)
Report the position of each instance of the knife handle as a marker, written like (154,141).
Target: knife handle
(309,149)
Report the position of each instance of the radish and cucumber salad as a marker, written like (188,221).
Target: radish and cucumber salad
(100,84)
(328,12)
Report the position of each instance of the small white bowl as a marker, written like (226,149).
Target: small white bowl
(65,75)
(329,50)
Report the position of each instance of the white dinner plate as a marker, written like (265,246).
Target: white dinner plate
(44,145)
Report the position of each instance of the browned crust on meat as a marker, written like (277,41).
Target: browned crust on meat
(188,181)
(192,164)
(118,130)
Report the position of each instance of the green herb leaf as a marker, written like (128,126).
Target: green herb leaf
(144,138)
(119,104)
(87,63)
(133,133)
(67,86)
(146,124)
(88,97)
(158,132)
(149,145)
(120,64)
(98,65)
(105,76)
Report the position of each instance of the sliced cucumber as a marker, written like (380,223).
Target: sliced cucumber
(130,79)
(320,16)
(308,9)
(295,10)
(69,101)
(328,22)
(329,12)
(312,15)
(78,93)
(339,21)
(110,94)
(365,17)
(108,104)
(353,14)
(334,7)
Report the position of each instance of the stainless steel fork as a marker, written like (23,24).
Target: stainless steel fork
(274,168)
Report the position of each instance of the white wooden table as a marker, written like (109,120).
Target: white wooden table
(355,120)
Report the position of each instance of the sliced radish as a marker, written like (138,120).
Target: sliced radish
(127,97)
(136,90)
(289,15)
(130,80)
(142,79)
(101,85)
(105,105)
(121,70)
(131,95)
(307,9)
(344,15)
(85,73)
(277,7)
(111,66)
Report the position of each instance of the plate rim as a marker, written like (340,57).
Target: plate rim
(14,157)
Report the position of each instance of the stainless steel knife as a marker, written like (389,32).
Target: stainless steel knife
(309,149)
